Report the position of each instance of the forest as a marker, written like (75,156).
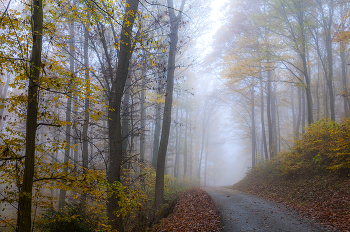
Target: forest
(108,109)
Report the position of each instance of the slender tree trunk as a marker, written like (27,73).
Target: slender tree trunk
(156,135)
(206,161)
(126,119)
(262,113)
(191,148)
(325,94)
(318,90)
(25,202)
(85,152)
(293,111)
(63,193)
(299,112)
(274,120)
(174,21)
(269,112)
(3,94)
(343,69)
(327,26)
(143,114)
(202,148)
(303,112)
(278,129)
(114,123)
(186,131)
(253,125)
(180,157)
(176,166)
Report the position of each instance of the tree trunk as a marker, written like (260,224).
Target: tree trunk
(143,114)
(303,114)
(115,127)
(156,135)
(274,120)
(327,26)
(185,147)
(299,112)
(269,112)
(206,161)
(308,91)
(253,125)
(293,111)
(3,94)
(174,21)
(317,90)
(85,152)
(191,147)
(25,202)
(63,193)
(177,155)
(263,120)
(126,120)
(343,69)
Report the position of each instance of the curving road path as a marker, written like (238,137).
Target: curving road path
(244,212)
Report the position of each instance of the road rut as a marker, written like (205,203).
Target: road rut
(245,212)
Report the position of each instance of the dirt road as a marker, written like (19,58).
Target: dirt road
(245,212)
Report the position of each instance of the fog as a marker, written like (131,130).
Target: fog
(138,96)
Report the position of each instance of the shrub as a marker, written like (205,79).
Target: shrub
(72,218)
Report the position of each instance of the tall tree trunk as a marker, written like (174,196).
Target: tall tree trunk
(177,155)
(156,135)
(293,110)
(185,146)
(174,22)
(63,193)
(343,69)
(114,123)
(191,147)
(253,125)
(126,119)
(85,152)
(308,91)
(274,120)
(25,202)
(263,119)
(269,112)
(3,94)
(143,114)
(327,27)
(325,95)
(206,161)
(299,111)
(303,114)
(318,90)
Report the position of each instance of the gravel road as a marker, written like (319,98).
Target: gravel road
(244,212)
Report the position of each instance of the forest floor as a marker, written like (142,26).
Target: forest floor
(194,211)
(324,197)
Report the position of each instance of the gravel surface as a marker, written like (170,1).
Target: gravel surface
(244,212)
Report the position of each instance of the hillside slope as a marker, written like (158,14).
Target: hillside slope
(312,178)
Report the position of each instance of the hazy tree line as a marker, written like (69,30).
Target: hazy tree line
(96,96)
(285,66)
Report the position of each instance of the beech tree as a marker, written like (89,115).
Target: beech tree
(174,27)
(25,202)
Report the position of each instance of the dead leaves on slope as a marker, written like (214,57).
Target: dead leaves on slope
(194,211)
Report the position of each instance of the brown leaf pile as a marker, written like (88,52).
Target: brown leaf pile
(194,211)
